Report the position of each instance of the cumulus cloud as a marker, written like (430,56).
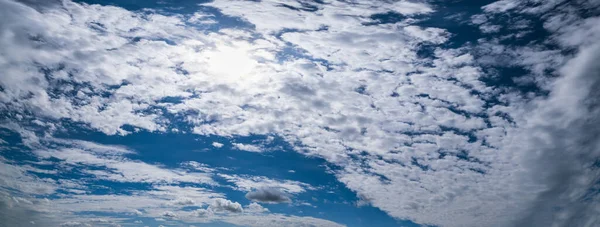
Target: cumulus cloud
(255,208)
(169,214)
(203,212)
(268,195)
(226,205)
(184,202)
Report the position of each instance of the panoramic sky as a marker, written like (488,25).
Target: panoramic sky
(269,113)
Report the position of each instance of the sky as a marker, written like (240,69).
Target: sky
(457,113)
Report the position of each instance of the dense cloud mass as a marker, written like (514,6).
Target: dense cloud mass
(414,116)
(268,195)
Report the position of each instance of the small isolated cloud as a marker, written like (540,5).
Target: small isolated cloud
(217,144)
(226,205)
(248,147)
(268,195)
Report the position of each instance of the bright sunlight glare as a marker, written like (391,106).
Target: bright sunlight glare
(230,62)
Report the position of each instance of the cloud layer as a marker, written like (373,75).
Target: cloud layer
(423,137)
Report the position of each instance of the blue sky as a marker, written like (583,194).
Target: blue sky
(327,198)
(299,113)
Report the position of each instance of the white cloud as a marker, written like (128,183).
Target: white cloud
(162,202)
(202,18)
(121,169)
(193,165)
(203,212)
(359,96)
(248,147)
(249,183)
(17,178)
(501,6)
(255,208)
(217,144)
(223,205)
(184,201)
(266,14)
(560,134)
(99,149)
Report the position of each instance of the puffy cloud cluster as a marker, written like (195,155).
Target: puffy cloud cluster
(226,205)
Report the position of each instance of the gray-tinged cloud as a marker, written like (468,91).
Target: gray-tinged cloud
(40,4)
(17,211)
(562,138)
(226,205)
(277,220)
(558,138)
(75,224)
(169,214)
(268,195)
